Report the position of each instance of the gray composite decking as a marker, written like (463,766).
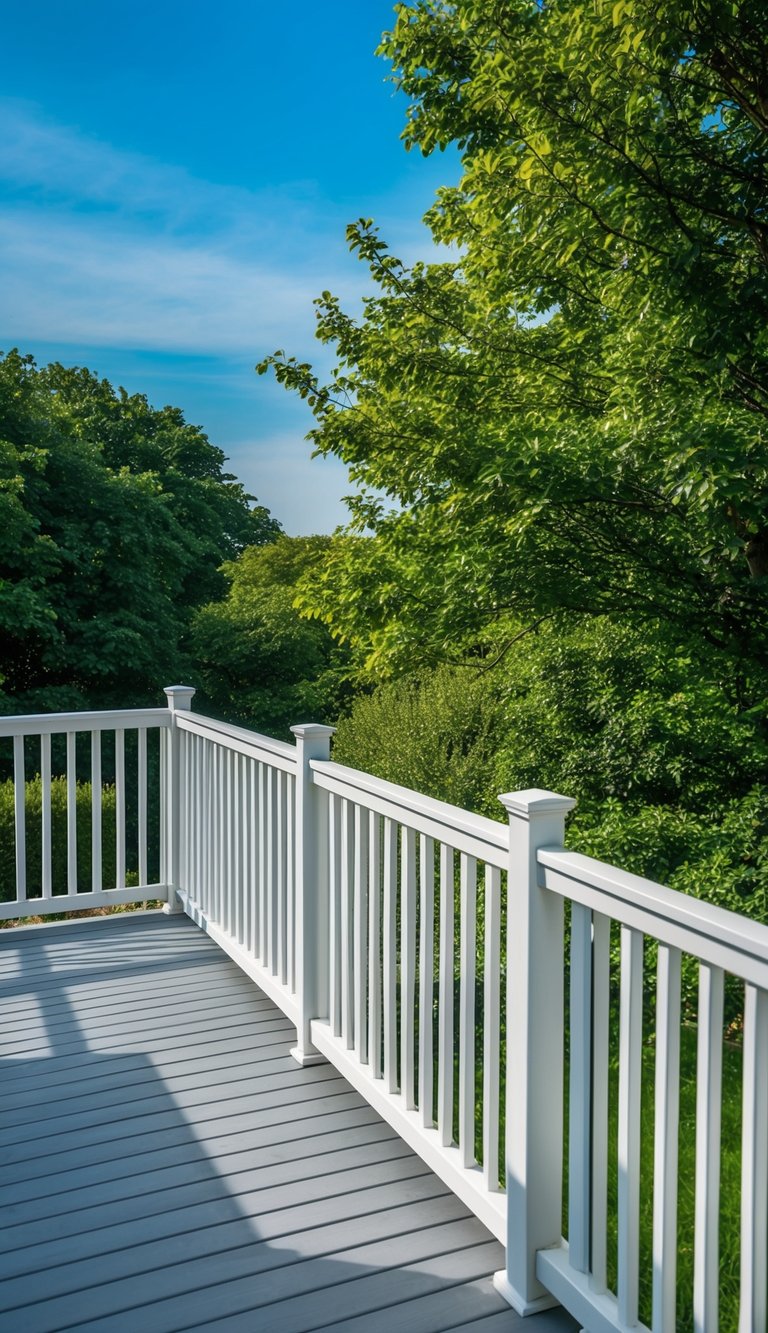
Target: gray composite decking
(166,1165)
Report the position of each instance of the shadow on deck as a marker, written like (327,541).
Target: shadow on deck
(166,1165)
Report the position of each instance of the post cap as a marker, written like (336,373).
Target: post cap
(180,697)
(536,801)
(312,730)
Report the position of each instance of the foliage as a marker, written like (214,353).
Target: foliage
(33,809)
(439,735)
(261,663)
(115,517)
(570,411)
(668,769)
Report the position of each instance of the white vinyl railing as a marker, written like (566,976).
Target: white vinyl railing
(93,837)
(720,944)
(425,951)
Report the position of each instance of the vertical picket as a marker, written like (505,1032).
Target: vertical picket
(426,976)
(601,983)
(407,966)
(445,1000)
(360,927)
(71,814)
(374,944)
(390,955)
(19,804)
(665,1145)
(119,808)
(579,1121)
(468,953)
(142,804)
(754,1164)
(491,1027)
(263,826)
(96,799)
(346,921)
(709,1074)
(281,880)
(290,906)
(335,852)
(630,1071)
(47,829)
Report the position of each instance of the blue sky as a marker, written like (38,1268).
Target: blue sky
(175,181)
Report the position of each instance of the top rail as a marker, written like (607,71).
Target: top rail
(713,934)
(54,724)
(278,754)
(474,834)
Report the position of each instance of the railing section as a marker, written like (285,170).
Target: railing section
(636,950)
(236,843)
(416,972)
(87,821)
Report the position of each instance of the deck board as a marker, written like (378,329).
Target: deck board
(166,1165)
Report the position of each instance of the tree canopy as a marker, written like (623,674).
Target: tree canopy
(568,411)
(115,520)
(261,663)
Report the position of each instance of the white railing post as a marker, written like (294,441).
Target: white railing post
(534,1057)
(179,700)
(313,741)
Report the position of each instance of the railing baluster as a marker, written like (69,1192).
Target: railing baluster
(754,1163)
(71,814)
(361,934)
(142,803)
(271,872)
(246,916)
(579,1151)
(207,813)
(218,840)
(256,841)
(665,1147)
(390,955)
(290,889)
(346,916)
(491,1027)
(47,831)
(334,873)
(374,945)
(96,805)
(630,1071)
(263,827)
(120,808)
(407,965)
(468,952)
(19,802)
(426,975)
(281,878)
(236,828)
(601,982)
(230,825)
(445,1000)
(709,1071)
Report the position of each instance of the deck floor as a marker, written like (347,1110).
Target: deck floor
(166,1165)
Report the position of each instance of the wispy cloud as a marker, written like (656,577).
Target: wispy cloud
(111,248)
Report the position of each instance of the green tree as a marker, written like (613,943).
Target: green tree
(569,412)
(116,518)
(261,663)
